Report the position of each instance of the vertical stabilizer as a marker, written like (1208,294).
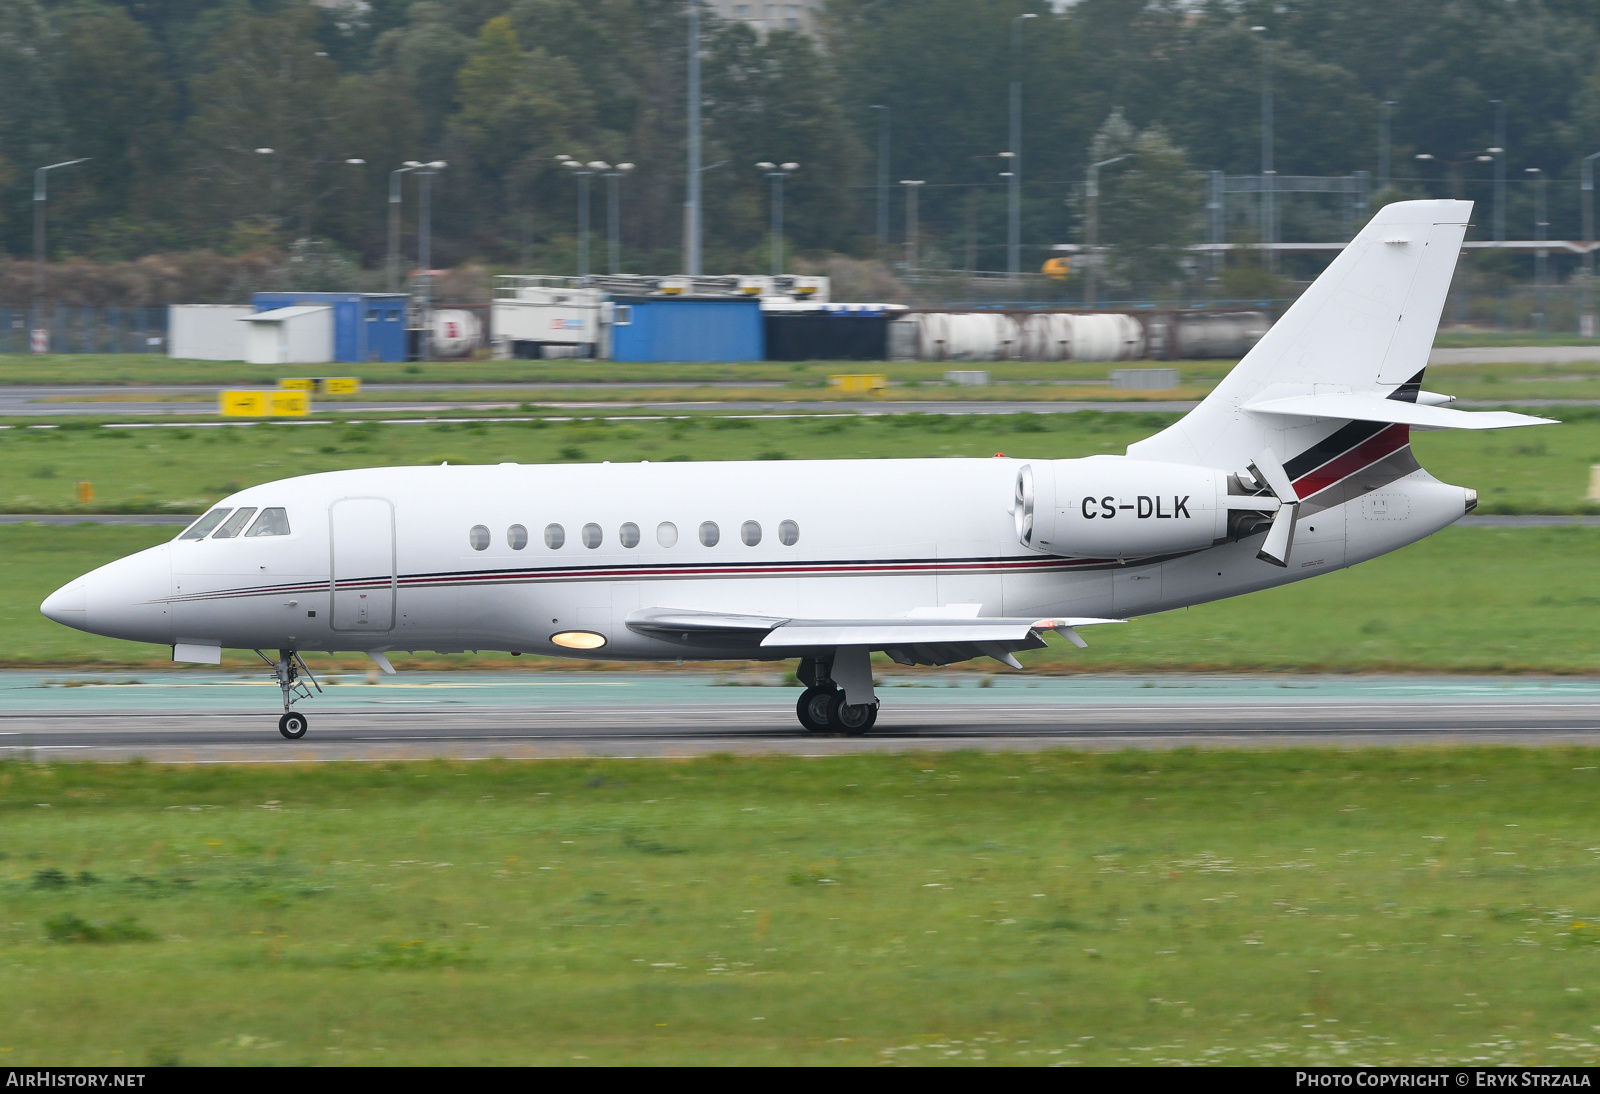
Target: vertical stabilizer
(1365,326)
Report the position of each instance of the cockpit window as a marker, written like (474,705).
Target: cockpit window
(271,522)
(234,524)
(202,527)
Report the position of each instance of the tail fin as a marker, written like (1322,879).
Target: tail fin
(1364,327)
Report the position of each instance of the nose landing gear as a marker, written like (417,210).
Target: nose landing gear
(287,670)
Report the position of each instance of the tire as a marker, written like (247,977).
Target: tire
(851,720)
(292,725)
(812,709)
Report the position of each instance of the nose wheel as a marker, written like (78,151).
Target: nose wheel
(287,670)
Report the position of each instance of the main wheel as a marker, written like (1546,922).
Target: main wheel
(292,725)
(812,709)
(851,719)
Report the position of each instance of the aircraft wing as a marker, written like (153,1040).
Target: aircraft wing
(1359,407)
(910,641)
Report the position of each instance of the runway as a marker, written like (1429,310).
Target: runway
(204,716)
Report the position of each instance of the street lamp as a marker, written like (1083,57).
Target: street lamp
(425,173)
(1091,235)
(1014,184)
(883,181)
(1452,177)
(394,221)
(912,186)
(1541,228)
(40,196)
(691,203)
(1268,175)
(1499,151)
(1383,144)
(613,177)
(777,172)
(583,172)
(1586,324)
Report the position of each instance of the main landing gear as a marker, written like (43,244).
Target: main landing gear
(287,670)
(822,707)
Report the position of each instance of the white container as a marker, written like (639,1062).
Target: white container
(208,332)
(299,335)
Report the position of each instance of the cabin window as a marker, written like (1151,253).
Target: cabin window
(234,524)
(202,527)
(710,533)
(554,536)
(271,522)
(516,537)
(592,536)
(750,532)
(478,537)
(788,533)
(667,534)
(628,535)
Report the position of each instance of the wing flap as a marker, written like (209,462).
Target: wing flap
(1372,407)
(879,633)
(921,630)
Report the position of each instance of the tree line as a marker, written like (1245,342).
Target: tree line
(175,101)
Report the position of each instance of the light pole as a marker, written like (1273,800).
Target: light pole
(40,196)
(777,172)
(394,221)
(1091,234)
(1383,144)
(912,186)
(1268,175)
(584,171)
(425,175)
(883,181)
(1499,151)
(1452,176)
(1014,212)
(1586,324)
(1541,228)
(691,204)
(613,177)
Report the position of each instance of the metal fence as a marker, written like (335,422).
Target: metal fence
(85,329)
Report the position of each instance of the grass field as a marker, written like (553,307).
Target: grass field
(183,469)
(1465,600)
(1231,907)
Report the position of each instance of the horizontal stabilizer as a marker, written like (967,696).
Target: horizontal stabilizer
(1372,407)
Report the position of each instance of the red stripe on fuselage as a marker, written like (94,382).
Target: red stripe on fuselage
(1380,445)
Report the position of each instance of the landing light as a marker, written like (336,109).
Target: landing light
(579,640)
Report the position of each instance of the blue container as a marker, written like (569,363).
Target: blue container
(366,326)
(657,328)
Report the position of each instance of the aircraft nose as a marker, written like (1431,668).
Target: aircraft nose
(127,599)
(69,604)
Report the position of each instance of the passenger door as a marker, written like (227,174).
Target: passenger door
(362,565)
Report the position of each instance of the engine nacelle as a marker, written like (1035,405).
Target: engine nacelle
(1116,507)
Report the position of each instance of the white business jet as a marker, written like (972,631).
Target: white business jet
(1297,464)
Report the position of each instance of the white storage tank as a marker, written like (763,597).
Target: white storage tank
(456,332)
